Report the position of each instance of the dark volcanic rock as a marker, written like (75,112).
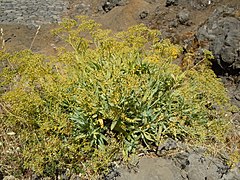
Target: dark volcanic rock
(233,174)
(191,165)
(183,16)
(170,144)
(222,32)
(188,164)
(171,2)
(82,8)
(196,166)
(199,4)
(201,168)
(110,4)
(151,1)
(233,85)
(153,169)
(143,14)
(173,23)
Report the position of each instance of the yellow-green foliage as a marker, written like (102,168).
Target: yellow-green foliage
(112,93)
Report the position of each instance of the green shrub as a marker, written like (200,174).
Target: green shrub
(113,95)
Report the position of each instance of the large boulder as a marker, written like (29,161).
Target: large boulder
(222,31)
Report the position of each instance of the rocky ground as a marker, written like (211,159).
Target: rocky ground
(185,164)
(31,12)
(195,24)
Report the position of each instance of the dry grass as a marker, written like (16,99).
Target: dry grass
(9,147)
(2,39)
(38,29)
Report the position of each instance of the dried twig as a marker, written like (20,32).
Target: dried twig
(35,37)
(2,39)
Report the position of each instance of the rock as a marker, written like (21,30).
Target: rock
(143,14)
(200,4)
(151,1)
(113,173)
(181,160)
(222,32)
(82,8)
(235,98)
(191,165)
(233,85)
(237,95)
(234,174)
(152,169)
(110,4)
(183,16)
(171,3)
(26,12)
(173,23)
(170,144)
(196,166)
(201,168)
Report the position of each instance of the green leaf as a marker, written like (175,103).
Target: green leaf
(114,123)
(148,136)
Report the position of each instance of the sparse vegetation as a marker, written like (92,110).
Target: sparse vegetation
(112,96)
